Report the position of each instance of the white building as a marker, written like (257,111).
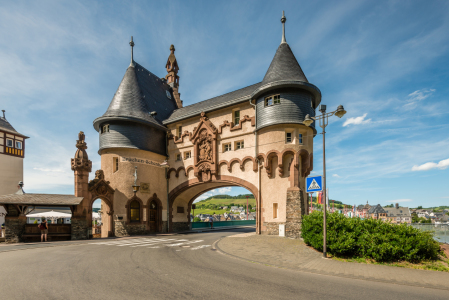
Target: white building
(12,153)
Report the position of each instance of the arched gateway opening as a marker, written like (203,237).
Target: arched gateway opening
(101,218)
(181,198)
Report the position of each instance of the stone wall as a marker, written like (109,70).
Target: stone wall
(126,229)
(14,229)
(294,213)
(179,226)
(79,229)
(272,228)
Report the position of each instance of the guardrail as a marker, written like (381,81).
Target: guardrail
(440,231)
(197,225)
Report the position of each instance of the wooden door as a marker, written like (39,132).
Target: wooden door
(153,217)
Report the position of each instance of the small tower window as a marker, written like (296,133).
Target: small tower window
(105,128)
(277,99)
(115,164)
(187,155)
(288,137)
(300,138)
(236,117)
(227,147)
(178,157)
(179,131)
(18,145)
(239,145)
(275,210)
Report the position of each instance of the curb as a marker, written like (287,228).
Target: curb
(215,246)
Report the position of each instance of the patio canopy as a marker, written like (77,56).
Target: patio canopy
(50,214)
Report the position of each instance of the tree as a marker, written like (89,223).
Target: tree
(196,219)
(250,207)
(390,205)
(415,218)
(419,207)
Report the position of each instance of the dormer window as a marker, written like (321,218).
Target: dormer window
(272,100)
(105,128)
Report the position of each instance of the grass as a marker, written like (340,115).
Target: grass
(442,264)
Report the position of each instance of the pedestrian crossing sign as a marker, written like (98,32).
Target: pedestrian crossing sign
(314,184)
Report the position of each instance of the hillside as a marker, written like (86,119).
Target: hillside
(212,204)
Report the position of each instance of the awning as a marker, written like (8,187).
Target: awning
(41,199)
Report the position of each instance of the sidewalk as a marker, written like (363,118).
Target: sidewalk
(295,254)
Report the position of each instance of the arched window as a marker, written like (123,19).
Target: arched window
(135,211)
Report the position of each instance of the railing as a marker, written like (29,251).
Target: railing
(440,231)
(197,225)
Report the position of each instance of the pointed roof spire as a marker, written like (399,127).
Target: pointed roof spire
(283,19)
(132,52)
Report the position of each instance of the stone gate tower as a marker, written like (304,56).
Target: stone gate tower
(253,137)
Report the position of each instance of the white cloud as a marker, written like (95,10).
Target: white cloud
(224,190)
(400,200)
(336,175)
(50,170)
(442,164)
(416,97)
(356,121)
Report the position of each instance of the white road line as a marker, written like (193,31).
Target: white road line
(131,242)
(180,244)
(200,247)
(145,241)
(149,244)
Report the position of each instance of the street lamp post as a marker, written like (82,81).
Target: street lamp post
(323,121)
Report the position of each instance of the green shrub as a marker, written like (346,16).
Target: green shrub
(373,239)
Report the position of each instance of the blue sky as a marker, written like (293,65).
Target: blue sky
(385,61)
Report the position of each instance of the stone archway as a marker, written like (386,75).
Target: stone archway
(100,189)
(187,192)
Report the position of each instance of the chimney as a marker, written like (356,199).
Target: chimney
(3,114)
(397,205)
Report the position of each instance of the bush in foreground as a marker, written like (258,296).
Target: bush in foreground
(372,239)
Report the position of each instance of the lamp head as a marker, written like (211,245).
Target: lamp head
(340,111)
(307,120)
(165,164)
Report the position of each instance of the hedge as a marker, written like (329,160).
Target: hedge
(369,238)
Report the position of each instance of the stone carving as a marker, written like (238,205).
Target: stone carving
(81,161)
(144,187)
(99,174)
(204,139)
(204,146)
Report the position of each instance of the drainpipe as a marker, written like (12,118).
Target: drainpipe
(166,178)
(259,208)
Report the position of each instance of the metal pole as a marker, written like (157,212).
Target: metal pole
(324,188)
(247,207)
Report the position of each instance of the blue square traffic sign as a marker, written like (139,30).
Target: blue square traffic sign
(314,184)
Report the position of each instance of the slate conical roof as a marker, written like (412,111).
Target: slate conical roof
(284,66)
(139,94)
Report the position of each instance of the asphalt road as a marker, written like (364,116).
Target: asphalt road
(171,267)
